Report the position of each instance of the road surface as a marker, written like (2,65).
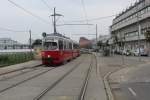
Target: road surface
(132,83)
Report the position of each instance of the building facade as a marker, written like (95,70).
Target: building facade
(85,43)
(8,44)
(130,26)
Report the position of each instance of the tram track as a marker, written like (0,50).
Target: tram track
(17,73)
(85,83)
(16,70)
(38,97)
(46,85)
(83,90)
(25,80)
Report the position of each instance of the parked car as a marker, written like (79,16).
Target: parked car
(141,52)
(84,50)
(126,52)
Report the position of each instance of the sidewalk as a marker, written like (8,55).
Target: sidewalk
(16,67)
(111,64)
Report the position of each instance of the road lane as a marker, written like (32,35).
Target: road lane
(69,88)
(136,91)
(30,89)
(135,84)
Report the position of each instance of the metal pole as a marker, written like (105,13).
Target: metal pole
(96,38)
(139,32)
(54,21)
(30,45)
(122,50)
(96,34)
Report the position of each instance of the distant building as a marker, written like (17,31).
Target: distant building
(85,43)
(104,38)
(8,43)
(130,24)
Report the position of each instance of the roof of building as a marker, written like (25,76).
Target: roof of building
(129,8)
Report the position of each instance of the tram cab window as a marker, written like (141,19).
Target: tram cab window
(60,43)
(50,45)
(75,46)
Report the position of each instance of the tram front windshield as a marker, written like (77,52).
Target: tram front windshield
(50,45)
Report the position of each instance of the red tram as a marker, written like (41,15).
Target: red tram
(58,49)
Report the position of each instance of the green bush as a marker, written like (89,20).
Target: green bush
(15,58)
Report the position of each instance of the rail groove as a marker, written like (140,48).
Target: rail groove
(38,97)
(14,85)
(19,74)
(85,84)
(19,69)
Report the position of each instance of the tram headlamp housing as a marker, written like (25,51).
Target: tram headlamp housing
(48,56)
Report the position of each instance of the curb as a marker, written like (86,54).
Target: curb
(107,87)
(105,82)
(100,78)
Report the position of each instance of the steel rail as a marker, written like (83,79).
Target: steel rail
(38,97)
(85,84)
(19,69)
(14,85)
(4,78)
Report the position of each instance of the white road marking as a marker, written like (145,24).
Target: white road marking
(132,91)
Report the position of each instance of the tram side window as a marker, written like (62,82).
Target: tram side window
(65,46)
(70,45)
(60,45)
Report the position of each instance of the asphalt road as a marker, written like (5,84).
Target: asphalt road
(136,91)
(132,83)
(65,82)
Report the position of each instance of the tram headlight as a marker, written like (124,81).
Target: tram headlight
(48,56)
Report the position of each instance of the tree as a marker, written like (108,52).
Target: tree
(37,42)
(100,44)
(147,36)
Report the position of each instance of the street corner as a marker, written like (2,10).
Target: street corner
(120,76)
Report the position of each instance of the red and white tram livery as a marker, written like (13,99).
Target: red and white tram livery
(58,49)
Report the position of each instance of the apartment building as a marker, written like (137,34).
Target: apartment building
(131,25)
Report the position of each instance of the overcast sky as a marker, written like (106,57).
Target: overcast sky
(14,18)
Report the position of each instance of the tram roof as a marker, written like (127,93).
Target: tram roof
(58,35)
